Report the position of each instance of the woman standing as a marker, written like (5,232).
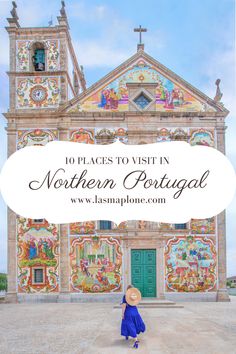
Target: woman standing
(132,323)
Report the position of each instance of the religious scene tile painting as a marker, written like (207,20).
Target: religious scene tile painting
(190,264)
(114,96)
(96,264)
(35,137)
(37,249)
(37,92)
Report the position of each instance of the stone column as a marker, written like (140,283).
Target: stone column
(126,264)
(12,62)
(222,293)
(160,273)
(63,67)
(64,250)
(11,240)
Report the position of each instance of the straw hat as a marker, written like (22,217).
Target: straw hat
(133,296)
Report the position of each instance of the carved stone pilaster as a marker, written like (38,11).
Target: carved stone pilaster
(11,240)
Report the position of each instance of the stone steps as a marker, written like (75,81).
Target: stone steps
(155,303)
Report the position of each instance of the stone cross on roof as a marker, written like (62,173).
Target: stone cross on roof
(140,29)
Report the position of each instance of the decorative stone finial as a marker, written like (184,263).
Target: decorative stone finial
(219,94)
(13,11)
(63,11)
(13,21)
(63,18)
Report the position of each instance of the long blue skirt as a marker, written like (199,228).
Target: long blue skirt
(132,324)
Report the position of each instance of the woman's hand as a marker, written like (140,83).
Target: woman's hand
(123,311)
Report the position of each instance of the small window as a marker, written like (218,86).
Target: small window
(105,225)
(38,221)
(180,226)
(142,101)
(38,57)
(38,276)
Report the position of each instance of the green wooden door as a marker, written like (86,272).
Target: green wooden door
(143,271)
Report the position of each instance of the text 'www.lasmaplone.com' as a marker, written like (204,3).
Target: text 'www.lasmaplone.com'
(120,201)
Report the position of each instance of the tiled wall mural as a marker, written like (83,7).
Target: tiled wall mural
(123,225)
(24,55)
(172,134)
(96,264)
(190,264)
(198,136)
(35,137)
(37,92)
(98,135)
(111,134)
(203,226)
(82,228)
(52,51)
(114,96)
(37,248)
(202,137)
(82,135)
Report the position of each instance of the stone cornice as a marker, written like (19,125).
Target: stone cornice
(32,30)
(129,117)
(37,73)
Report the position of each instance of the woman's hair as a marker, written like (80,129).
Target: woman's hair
(129,286)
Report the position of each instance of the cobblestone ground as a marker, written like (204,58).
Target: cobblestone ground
(202,328)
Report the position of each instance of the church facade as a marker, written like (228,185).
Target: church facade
(139,102)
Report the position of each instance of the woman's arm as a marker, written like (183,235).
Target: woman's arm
(123,310)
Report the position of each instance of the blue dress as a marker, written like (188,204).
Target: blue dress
(132,324)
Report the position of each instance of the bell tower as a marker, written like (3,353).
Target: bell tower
(44,72)
(43,75)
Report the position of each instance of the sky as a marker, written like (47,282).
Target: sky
(195,39)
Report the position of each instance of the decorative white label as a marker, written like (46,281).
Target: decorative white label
(67,182)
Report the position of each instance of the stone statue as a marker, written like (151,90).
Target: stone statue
(13,11)
(219,94)
(63,11)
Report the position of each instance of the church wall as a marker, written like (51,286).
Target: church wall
(79,260)
(186,259)
(37,240)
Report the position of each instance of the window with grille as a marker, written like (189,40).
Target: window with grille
(38,221)
(105,225)
(142,101)
(180,226)
(38,56)
(38,275)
